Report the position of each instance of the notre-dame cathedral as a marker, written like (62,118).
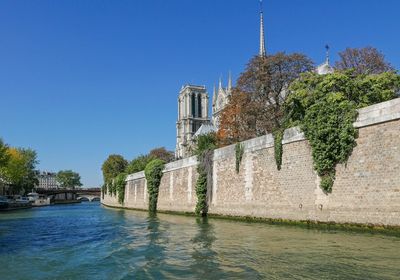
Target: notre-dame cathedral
(193,118)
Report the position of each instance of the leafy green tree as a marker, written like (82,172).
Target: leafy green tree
(20,169)
(4,156)
(163,154)
(138,164)
(205,142)
(68,179)
(112,166)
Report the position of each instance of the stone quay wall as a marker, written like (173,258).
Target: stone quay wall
(366,189)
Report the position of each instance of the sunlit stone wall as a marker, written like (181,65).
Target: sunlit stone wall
(366,189)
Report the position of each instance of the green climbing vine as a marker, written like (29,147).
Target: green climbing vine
(119,186)
(204,151)
(328,126)
(111,187)
(103,190)
(278,147)
(153,174)
(239,150)
(326,106)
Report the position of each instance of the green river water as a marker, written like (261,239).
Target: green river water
(88,241)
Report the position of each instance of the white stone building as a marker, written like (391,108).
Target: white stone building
(47,180)
(192,113)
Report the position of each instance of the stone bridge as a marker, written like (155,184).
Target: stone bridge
(90,194)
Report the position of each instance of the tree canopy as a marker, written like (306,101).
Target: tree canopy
(255,107)
(366,60)
(112,166)
(19,171)
(68,179)
(4,155)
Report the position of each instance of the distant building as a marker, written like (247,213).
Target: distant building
(47,180)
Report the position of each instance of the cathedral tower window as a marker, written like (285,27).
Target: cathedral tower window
(199,106)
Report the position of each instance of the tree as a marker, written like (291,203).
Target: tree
(366,60)
(112,166)
(68,179)
(256,103)
(20,169)
(163,154)
(4,156)
(138,164)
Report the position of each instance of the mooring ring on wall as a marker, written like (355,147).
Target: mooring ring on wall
(320,206)
(300,205)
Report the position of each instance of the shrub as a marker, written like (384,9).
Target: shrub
(204,151)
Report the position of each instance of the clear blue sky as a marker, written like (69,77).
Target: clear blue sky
(80,80)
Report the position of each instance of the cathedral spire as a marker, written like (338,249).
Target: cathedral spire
(220,84)
(262,52)
(229,82)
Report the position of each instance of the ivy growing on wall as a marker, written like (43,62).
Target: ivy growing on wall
(119,185)
(111,187)
(204,151)
(278,147)
(326,106)
(153,174)
(239,150)
(103,190)
(328,126)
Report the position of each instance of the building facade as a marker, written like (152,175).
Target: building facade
(47,180)
(192,114)
(220,100)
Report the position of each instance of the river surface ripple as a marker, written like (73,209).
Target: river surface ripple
(88,241)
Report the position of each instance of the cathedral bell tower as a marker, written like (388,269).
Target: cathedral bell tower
(192,113)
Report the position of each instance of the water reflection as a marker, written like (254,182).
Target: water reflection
(205,259)
(89,242)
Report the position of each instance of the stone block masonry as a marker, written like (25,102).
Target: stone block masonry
(366,189)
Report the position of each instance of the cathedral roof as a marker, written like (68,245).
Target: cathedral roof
(205,128)
(324,69)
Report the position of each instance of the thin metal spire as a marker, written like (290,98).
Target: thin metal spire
(262,52)
(327,53)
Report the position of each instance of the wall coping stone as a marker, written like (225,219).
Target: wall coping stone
(182,163)
(378,113)
(134,176)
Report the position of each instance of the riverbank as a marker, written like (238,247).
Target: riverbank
(361,228)
(365,194)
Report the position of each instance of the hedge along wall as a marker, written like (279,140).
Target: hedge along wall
(366,190)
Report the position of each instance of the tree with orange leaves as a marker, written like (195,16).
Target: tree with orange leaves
(256,104)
